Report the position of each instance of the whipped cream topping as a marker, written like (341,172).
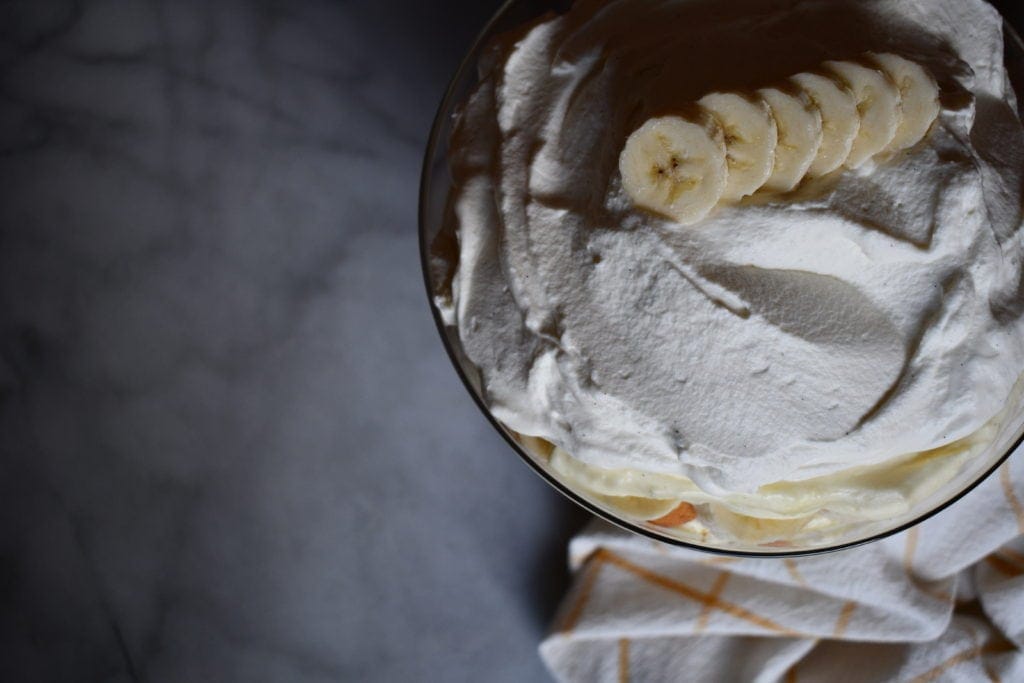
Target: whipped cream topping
(873,314)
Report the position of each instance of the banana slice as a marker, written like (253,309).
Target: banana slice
(750,140)
(919,96)
(534,445)
(620,482)
(878,102)
(638,508)
(676,166)
(800,134)
(840,121)
(755,529)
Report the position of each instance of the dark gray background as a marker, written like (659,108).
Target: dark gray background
(232,445)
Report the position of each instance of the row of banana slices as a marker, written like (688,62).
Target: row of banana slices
(731,145)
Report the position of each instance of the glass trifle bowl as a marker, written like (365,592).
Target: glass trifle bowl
(672,508)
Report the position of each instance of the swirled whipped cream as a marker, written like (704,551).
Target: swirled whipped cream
(867,317)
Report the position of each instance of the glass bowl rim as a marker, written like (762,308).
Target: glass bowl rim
(447,101)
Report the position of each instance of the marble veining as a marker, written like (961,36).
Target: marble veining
(232,445)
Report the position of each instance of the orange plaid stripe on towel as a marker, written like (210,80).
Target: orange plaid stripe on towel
(942,602)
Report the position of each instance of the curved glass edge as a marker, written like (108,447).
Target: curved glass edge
(507,14)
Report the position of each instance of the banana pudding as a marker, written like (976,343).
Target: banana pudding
(745,269)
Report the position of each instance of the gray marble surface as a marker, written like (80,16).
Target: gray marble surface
(233,448)
(231,445)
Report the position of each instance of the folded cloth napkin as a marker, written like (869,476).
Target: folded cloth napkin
(941,602)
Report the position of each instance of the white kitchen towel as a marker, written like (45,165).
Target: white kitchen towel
(941,602)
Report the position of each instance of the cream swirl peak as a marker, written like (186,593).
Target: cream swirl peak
(873,314)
